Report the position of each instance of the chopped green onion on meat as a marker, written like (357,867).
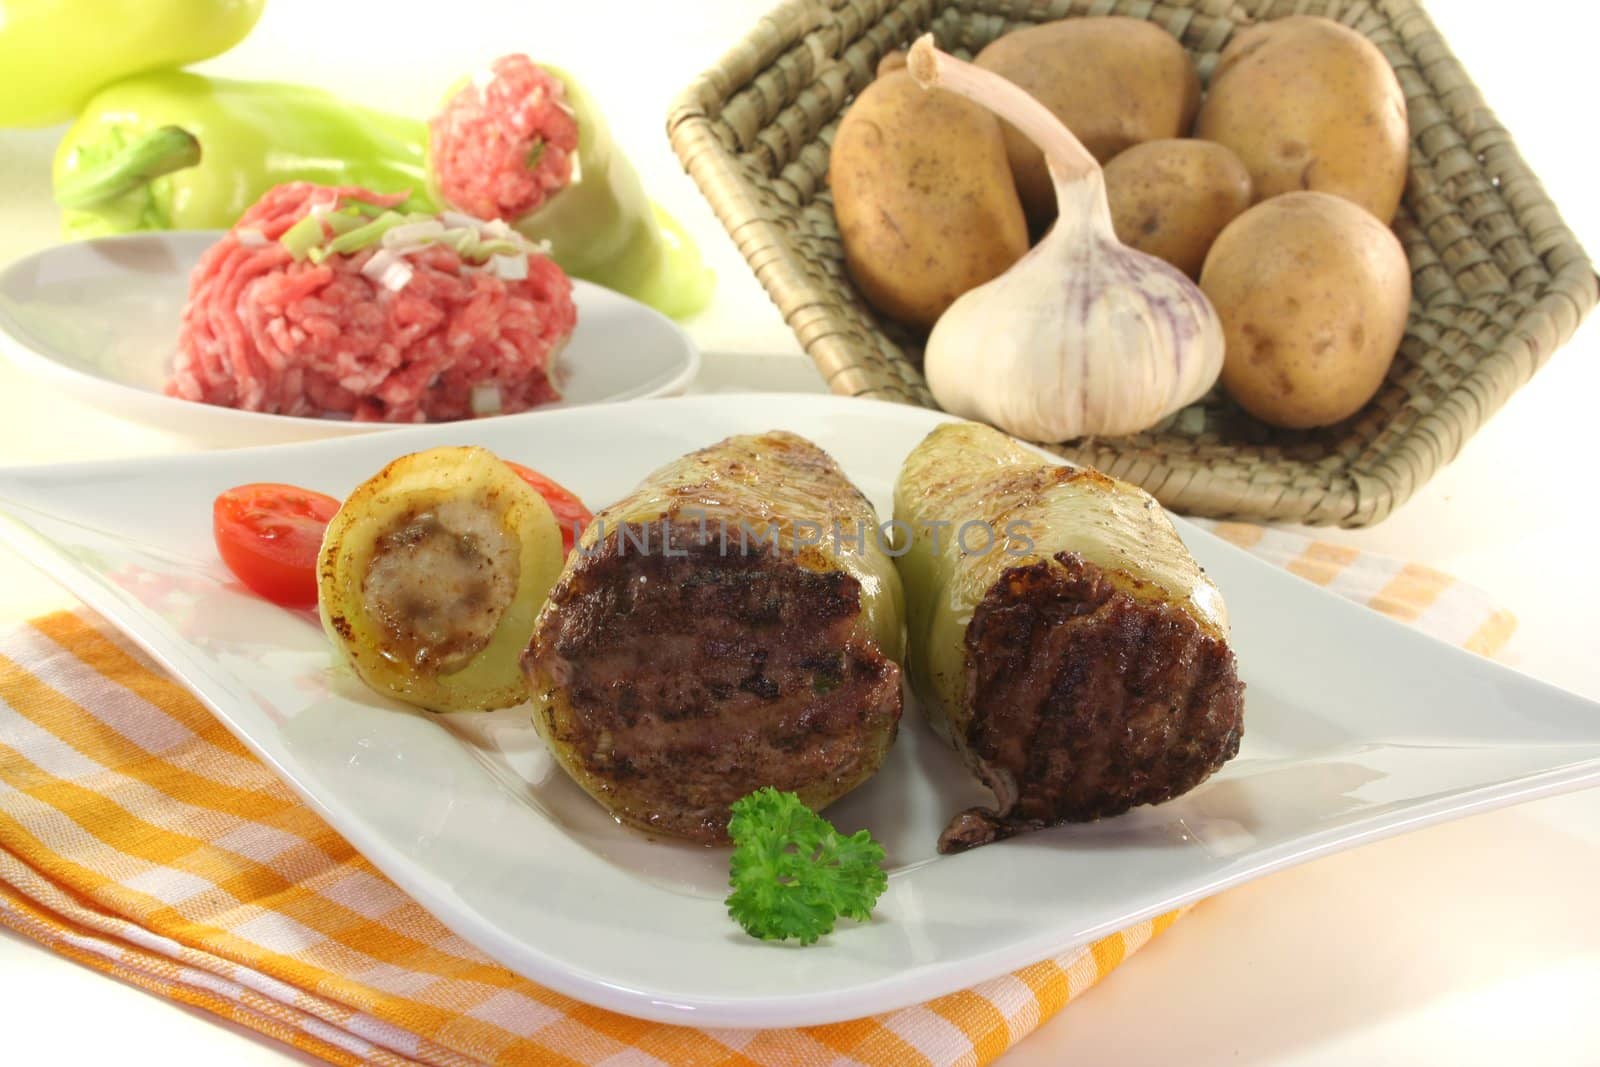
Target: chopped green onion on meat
(303,236)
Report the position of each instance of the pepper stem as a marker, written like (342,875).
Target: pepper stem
(161,151)
(1065,154)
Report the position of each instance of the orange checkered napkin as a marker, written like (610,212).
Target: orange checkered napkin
(139,838)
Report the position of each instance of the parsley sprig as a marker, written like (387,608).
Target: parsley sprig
(793,874)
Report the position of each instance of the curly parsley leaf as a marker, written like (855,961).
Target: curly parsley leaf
(793,874)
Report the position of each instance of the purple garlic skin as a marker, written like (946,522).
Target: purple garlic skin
(1083,336)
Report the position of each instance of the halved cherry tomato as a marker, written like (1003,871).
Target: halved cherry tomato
(269,535)
(569,511)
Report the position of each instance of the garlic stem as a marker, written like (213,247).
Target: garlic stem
(1063,152)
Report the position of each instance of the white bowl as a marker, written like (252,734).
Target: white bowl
(99,320)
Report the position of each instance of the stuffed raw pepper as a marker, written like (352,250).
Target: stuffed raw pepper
(523,142)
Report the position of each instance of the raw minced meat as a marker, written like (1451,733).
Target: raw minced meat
(504,143)
(266,331)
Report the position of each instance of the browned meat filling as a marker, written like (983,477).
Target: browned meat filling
(1088,701)
(439,581)
(693,680)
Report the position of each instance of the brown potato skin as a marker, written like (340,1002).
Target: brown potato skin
(1307,103)
(1313,294)
(1114,81)
(923,197)
(1170,198)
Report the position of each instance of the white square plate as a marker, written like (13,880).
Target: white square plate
(1355,728)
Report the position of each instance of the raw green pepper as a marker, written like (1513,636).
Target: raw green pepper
(601,226)
(56,53)
(175,150)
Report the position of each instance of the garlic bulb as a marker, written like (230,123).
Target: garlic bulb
(1082,335)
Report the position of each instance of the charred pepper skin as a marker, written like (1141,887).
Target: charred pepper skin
(56,53)
(251,136)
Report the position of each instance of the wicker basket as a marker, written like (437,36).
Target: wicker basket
(1498,280)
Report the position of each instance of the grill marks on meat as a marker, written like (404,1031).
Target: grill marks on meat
(692,680)
(1088,700)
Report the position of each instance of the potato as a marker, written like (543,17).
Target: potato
(1114,81)
(1171,198)
(1313,294)
(1307,103)
(923,197)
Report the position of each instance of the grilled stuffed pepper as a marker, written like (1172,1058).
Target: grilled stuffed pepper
(733,623)
(431,574)
(1062,637)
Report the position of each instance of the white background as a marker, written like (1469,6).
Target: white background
(1471,943)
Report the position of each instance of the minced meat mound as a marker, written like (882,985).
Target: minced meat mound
(264,331)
